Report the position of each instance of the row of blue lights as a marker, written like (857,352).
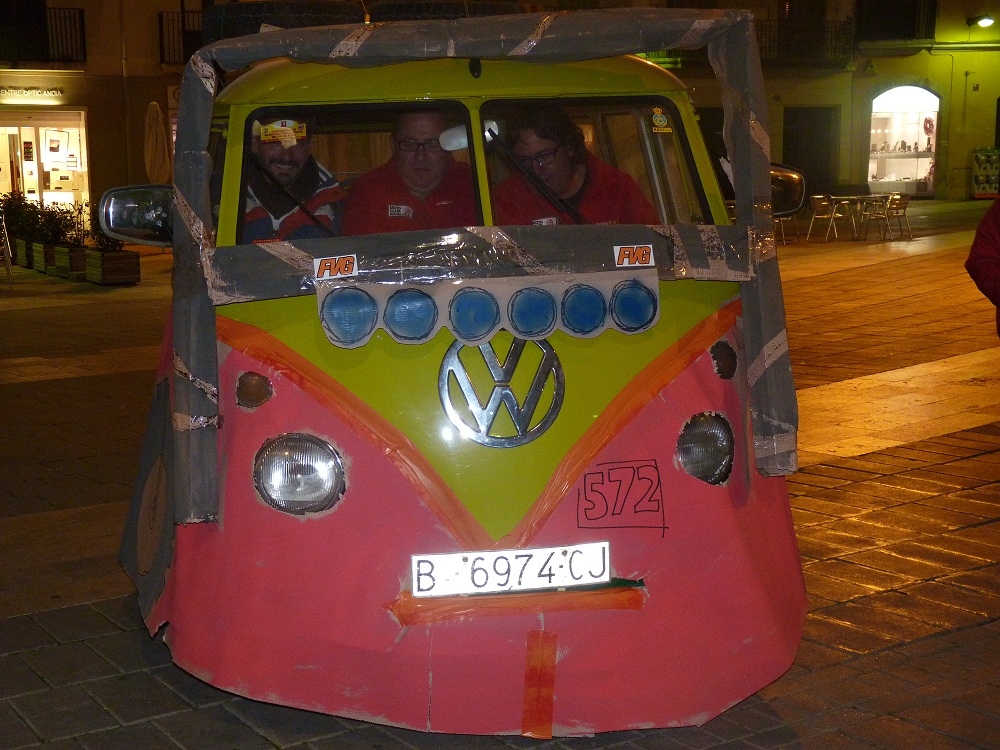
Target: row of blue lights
(350,314)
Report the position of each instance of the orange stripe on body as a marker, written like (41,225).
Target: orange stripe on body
(623,408)
(411,610)
(363,419)
(539,685)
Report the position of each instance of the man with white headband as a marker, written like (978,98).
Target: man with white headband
(289,194)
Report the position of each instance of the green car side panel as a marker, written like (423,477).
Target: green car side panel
(400,382)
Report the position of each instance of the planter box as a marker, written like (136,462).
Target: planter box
(71,262)
(22,253)
(121,267)
(43,256)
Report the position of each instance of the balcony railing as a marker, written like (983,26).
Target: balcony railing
(178,41)
(63,41)
(67,35)
(799,43)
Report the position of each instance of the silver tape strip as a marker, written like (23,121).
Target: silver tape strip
(202,385)
(350,44)
(715,251)
(695,36)
(760,136)
(195,226)
(502,242)
(772,350)
(529,44)
(206,72)
(185,423)
(290,254)
(763,246)
(682,265)
(775,445)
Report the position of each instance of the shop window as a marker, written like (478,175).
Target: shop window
(903,144)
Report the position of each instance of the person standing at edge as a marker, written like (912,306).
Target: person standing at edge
(983,263)
(420,187)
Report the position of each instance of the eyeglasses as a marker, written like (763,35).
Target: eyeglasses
(540,160)
(411,146)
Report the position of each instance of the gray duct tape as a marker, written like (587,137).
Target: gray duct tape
(186,423)
(349,45)
(202,385)
(772,350)
(775,445)
(682,265)
(529,44)
(715,251)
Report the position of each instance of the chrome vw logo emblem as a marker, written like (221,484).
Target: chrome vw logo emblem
(477,421)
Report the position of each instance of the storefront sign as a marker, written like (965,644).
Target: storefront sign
(33,95)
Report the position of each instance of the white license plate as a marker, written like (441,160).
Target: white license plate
(498,571)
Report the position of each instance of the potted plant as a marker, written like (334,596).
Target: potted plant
(70,252)
(23,220)
(54,225)
(107,260)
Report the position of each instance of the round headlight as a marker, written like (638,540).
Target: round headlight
(298,474)
(705,447)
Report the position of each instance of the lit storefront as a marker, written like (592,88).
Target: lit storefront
(903,141)
(43,146)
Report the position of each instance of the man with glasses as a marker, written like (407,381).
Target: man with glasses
(420,187)
(582,189)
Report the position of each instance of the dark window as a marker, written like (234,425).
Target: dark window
(23,30)
(896,19)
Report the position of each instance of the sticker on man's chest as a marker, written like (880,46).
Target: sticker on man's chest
(548,221)
(396,212)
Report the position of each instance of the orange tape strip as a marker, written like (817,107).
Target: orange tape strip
(364,420)
(410,610)
(656,376)
(539,685)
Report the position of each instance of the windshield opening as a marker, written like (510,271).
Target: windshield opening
(314,172)
(592,161)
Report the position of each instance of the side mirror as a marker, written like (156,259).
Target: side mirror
(139,213)
(456,138)
(788,190)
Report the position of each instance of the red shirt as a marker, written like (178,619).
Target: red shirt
(379,202)
(983,263)
(609,197)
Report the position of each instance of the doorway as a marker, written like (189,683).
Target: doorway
(811,145)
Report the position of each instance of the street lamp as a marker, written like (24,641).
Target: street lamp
(982,21)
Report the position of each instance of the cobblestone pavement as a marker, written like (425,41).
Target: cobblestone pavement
(896,509)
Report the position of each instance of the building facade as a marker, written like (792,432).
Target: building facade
(77,78)
(887,95)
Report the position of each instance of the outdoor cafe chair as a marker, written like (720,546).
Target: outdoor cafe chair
(895,208)
(824,208)
(882,212)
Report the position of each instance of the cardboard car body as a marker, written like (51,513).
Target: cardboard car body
(608,485)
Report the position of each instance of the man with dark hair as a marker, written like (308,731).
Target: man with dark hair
(548,143)
(289,194)
(420,187)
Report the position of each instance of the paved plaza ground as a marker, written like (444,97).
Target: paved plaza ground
(896,505)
